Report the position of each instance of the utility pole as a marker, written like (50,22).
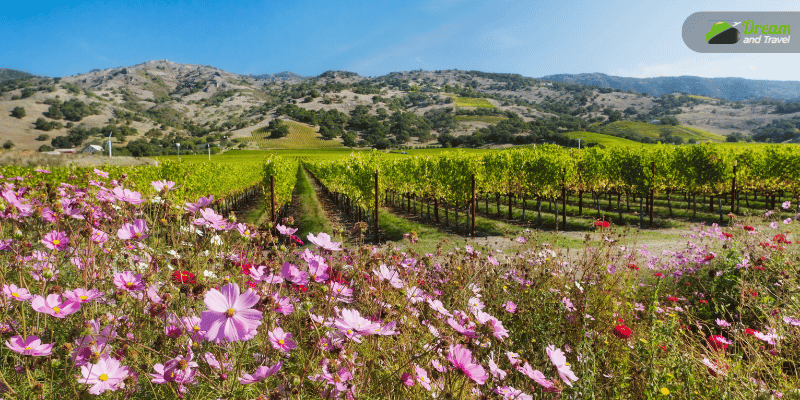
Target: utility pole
(109,143)
(179,151)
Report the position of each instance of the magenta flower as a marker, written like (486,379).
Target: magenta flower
(338,380)
(462,359)
(351,323)
(281,340)
(510,307)
(262,372)
(53,306)
(341,292)
(407,379)
(323,240)
(244,230)
(126,195)
(56,240)
(282,305)
(230,316)
(135,230)
(82,295)
(100,173)
(201,202)
(103,376)
(208,217)
(292,274)
(128,281)
(99,236)
(496,371)
(32,346)
(11,291)
(791,321)
(559,360)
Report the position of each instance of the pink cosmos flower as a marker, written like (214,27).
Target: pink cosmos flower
(281,340)
(462,359)
(55,240)
(407,379)
(498,331)
(422,377)
(568,304)
(723,323)
(32,346)
(317,268)
(559,360)
(179,369)
(282,305)
(230,316)
(262,372)
(208,217)
(191,324)
(713,368)
(536,375)
(135,230)
(201,202)
(337,380)
(128,281)
(126,195)
(244,230)
(292,274)
(82,295)
(439,307)
(351,323)
(496,371)
(510,307)
(323,240)
(53,306)
(468,331)
(99,236)
(285,230)
(103,376)
(100,173)
(162,185)
(791,321)
(341,292)
(389,275)
(11,291)
(786,205)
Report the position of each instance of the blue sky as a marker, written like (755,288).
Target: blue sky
(532,38)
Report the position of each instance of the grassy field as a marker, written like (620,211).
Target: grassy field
(491,119)
(605,140)
(620,128)
(301,136)
(694,96)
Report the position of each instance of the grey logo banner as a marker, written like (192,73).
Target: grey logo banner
(742,32)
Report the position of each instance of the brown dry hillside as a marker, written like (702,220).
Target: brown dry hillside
(159,103)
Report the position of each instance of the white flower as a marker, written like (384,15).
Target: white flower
(157,200)
(216,240)
(174,253)
(209,274)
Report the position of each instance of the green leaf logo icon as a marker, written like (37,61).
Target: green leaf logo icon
(722,33)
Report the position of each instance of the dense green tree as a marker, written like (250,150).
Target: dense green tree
(18,112)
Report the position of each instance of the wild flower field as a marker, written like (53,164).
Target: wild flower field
(110,294)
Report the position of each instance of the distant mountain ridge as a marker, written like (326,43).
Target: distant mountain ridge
(285,75)
(733,89)
(7,74)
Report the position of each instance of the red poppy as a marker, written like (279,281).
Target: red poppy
(728,235)
(622,331)
(180,277)
(716,342)
(659,274)
(751,331)
(704,301)
(749,228)
(752,292)
(633,266)
(673,299)
(758,267)
(664,347)
(709,257)
(601,224)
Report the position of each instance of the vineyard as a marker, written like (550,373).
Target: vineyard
(654,131)
(723,174)
(472,102)
(301,136)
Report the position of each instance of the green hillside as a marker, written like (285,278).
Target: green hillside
(301,136)
(605,140)
(630,129)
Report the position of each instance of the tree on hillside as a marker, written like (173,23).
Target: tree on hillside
(18,112)
(278,129)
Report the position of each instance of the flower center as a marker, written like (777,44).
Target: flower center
(196,328)
(103,377)
(280,341)
(138,234)
(56,242)
(129,284)
(14,294)
(349,332)
(56,310)
(231,312)
(83,297)
(29,348)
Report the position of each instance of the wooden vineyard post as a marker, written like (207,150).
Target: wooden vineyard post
(564,199)
(377,231)
(733,189)
(580,202)
(272,196)
(652,191)
(472,208)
